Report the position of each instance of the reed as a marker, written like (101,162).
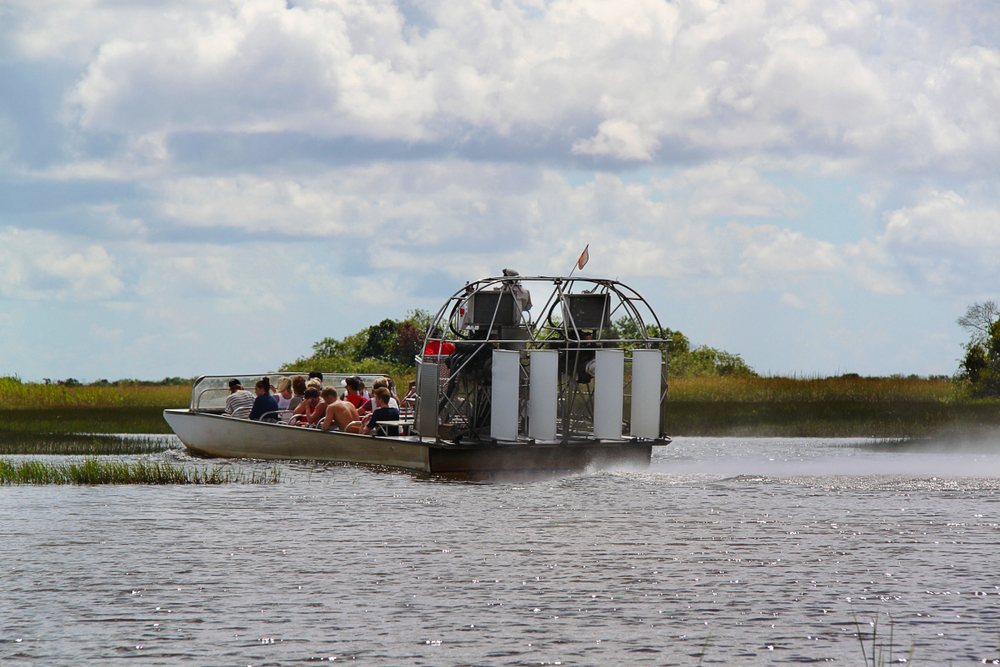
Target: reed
(812,390)
(72,444)
(94,471)
(877,645)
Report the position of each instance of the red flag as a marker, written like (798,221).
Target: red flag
(584,258)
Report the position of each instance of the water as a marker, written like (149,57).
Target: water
(737,551)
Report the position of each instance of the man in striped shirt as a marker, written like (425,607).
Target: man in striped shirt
(238,398)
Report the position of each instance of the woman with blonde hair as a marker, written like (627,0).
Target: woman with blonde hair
(284,389)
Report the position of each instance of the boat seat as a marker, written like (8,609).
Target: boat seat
(242,413)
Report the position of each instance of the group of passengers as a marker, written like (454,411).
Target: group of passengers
(304,401)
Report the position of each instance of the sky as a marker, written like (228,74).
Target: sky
(193,187)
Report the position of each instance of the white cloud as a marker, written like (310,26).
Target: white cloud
(725,188)
(104,335)
(462,218)
(780,254)
(619,139)
(41,265)
(792,301)
(631,80)
(945,241)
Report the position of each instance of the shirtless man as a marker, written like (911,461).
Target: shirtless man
(339,412)
(312,408)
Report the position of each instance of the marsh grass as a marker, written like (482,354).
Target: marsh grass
(832,407)
(814,419)
(73,444)
(15,394)
(811,390)
(94,471)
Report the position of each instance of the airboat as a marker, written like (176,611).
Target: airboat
(498,391)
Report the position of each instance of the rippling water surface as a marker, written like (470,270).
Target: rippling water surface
(743,551)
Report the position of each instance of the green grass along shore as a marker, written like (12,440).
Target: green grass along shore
(706,406)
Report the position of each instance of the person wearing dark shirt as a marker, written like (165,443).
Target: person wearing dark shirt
(265,404)
(383,413)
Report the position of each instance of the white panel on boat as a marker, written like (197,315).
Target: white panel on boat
(428,385)
(646,381)
(504,404)
(609,382)
(544,394)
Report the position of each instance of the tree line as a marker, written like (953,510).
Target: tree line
(391,345)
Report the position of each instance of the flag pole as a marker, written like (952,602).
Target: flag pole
(582,262)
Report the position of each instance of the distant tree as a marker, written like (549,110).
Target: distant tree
(980,366)
(419,318)
(979,319)
(389,346)
(409,339)
(683,360)
(381,339)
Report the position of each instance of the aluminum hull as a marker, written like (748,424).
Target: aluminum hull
(213,435)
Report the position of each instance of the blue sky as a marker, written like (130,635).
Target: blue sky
(194,187)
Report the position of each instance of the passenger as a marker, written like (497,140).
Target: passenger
(264,406)
(312,408)
(384,382)
(284,389)
(316,375)
(436,346)
(391,386)
(354,396)
(522,295)
(411,395)
(238,398)
(366,407)
(383,413)
(314,383)
(339,414)
(298,389)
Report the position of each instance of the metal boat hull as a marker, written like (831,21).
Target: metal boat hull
(213,435)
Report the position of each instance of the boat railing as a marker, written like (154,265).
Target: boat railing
(209,392)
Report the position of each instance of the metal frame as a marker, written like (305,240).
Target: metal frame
(461,397)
